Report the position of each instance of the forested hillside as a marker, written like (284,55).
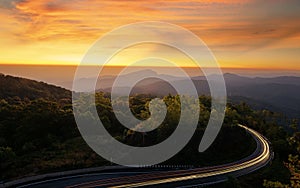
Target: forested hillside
(29,89)
(38,134)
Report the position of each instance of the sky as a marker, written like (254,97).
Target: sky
(240,33)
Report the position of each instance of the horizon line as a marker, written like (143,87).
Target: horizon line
(120,66)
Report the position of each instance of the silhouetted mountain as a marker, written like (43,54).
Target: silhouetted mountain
(281,94)
(236,80)
(24,88)
(105,82)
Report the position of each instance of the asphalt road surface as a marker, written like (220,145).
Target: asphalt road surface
(175,178)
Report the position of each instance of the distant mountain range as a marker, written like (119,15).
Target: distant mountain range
(280,94)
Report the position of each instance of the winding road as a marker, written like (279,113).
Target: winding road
(176,178)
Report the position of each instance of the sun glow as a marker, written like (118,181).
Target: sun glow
(247,34)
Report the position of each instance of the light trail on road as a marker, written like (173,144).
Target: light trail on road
(258,159)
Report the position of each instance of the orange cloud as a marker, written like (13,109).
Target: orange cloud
(60,31)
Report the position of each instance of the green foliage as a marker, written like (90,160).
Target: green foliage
(40,131)
(276,184)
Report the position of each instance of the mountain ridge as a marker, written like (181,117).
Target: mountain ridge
(11,86)
(281,94)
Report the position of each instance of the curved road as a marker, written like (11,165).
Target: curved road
(176,178)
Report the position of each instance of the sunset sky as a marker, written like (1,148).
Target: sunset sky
(241,33)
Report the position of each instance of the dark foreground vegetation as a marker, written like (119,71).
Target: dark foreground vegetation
(38,134)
